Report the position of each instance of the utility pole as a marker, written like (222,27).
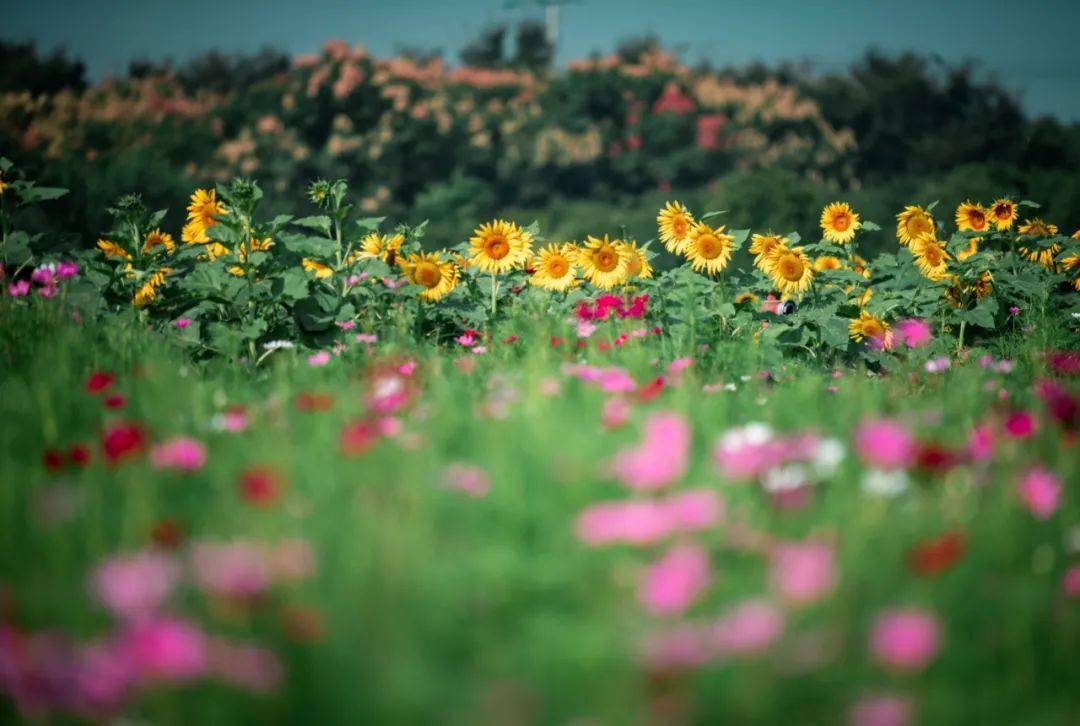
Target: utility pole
(551,17)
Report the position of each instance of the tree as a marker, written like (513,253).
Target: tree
(487,50)
(22,70)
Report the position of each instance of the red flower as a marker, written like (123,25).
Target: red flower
(556,342)
(357,437)
(651,390)
(117,400)
(53,460)
(937,459)
(99,381)
(79,455)
(510,339)
(121,441)
(260,486)
(934,555)
(167,534)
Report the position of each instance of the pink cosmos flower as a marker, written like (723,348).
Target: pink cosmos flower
(244,665)
(937,365)
(407,368)
(237,570)
(1062,406)
(103,678)
(673,582)
(616,380)
(318,360)
(914,332)
(585,329)
(616,412)
(1020,425)
(644,522)
(182,323)
(1040,492)
(134,585)
(1070,582)
(748,452)
(748,629)
(679,365)
(163,648)
(882,710)
(661,458)
(679,648)
(468,479)
(180,453)
(367,338)
(905,639)
(980,443)
(65,270)
(885,444)
(467,339)
(346,324)
(803,572)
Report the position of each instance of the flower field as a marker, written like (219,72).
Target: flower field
(320,467)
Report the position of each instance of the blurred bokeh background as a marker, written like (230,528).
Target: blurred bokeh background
(583,114)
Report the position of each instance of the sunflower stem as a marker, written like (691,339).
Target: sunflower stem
(494,291)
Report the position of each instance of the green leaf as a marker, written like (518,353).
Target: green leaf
(710,215)
(291,285)
(320,223)
(32,194)
(738,237)
(869,226)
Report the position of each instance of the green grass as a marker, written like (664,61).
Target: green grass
(443,608)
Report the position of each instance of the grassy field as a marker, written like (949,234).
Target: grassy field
(401,533)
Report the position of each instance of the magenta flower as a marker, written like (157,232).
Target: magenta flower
(182,323)
(803,572)
(1070,582)
(166,649)
(104,675)
(882,710)
(468,479)
(748,629)
(134,585)
(981,443)
(1020,425)
(914,332)
(1040,492)
(64,270)
(905,639)
(661,458)
(318,360)
(179,453)
(346,324)
(19,288)
(673,582)
(885,444)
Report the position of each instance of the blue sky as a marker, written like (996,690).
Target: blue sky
(1029,46)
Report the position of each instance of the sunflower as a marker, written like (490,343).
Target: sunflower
(827,262)
(1071,263)
(147,293)
(868,327)
(790,270)
(321,271)
(604,262)
(215,250)
(256,245)
(194,233)
(930,257)
(971,217)
(839,222)
(912,223)
(431,272)
(3,186)
(861,266)
(674,222)
(863,299)
(500,246)
(554,267)
(972,248)
(746,297)
(983,286)
(638,266)
(382,246)
(708,248)
(761,245)
(1038,228)
(157,238)
(1003,214)
(113,251)
(205,208)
